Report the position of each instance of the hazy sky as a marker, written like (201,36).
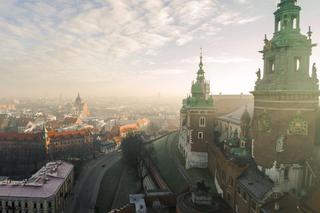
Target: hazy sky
(135,47)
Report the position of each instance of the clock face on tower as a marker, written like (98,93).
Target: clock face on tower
(298,126)
(264,122)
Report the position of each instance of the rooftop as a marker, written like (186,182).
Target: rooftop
(235,116)
(256,183)
(43,184)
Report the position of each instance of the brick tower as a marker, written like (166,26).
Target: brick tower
(197,122)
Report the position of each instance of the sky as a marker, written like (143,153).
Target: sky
(135,47)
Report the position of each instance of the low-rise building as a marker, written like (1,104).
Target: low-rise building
(46,191)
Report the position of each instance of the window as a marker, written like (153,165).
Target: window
(294,23)
(200,135)
(297,63)
(271,66)
(243,144)
(279,26)
(239,190)
(286,173)
(35,205)
(202,122)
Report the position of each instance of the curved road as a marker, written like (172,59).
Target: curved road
(87,187)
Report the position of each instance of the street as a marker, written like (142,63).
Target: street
(86,188)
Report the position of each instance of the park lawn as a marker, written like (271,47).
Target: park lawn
(166,165)
(108,187)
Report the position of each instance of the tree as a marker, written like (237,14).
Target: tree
(135,154)
(153,128)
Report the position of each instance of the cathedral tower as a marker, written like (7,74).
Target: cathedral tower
(286,100)
(197,122)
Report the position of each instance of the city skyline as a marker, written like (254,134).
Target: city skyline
(131,49)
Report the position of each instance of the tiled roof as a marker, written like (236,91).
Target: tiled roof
(68,134)
(235,116)
(14,136)
(256,183)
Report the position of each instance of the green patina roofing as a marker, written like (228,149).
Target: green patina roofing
(239,152)
(282,52)
(200,91)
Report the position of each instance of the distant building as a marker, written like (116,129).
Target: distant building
(197,122)
(80,108)
(69,144)
(46,191)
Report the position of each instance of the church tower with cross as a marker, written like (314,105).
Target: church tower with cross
(286,100)
(197,122)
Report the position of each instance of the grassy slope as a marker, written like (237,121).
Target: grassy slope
(167,166)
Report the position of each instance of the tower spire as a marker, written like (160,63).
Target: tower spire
(200,73)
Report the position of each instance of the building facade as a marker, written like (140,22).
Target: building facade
(286,100)
(197,117)
(21,153)
(69,144)
(80,108)
(46,191)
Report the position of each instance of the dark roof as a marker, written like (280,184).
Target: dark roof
(15,136)
(255,183)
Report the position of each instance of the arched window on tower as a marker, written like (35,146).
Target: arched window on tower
(294,23)
(279,26)
(271,66)
(297,64)
(202,122)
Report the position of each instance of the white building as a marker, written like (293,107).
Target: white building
(46,191)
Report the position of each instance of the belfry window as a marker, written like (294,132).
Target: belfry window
(202,122)
(294,23)
(271,66)
(297,64)
(279,26)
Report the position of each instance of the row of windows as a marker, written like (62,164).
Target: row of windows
(22,204)
(293,21)
(297,65)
